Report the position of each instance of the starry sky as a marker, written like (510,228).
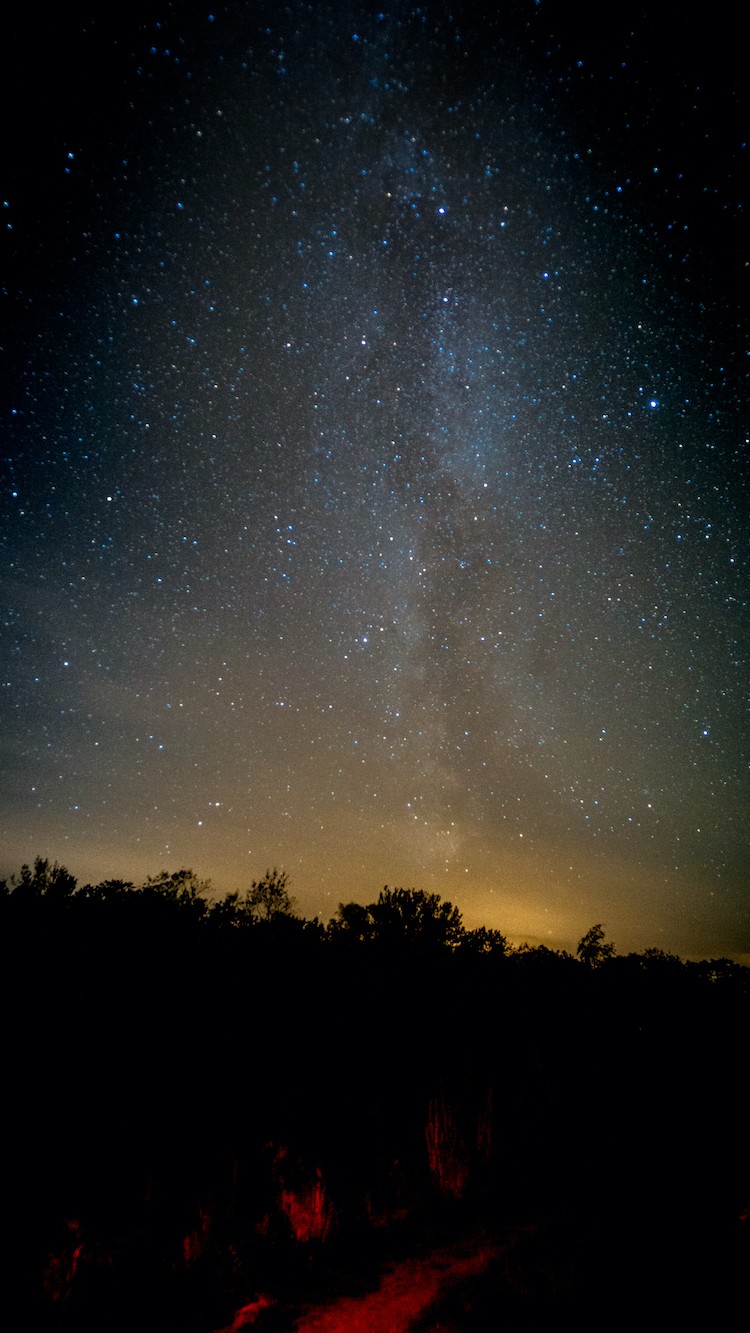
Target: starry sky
(374,468)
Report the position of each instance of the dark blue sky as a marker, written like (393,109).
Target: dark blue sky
(374,457)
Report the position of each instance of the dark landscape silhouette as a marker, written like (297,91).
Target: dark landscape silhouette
(221,1115)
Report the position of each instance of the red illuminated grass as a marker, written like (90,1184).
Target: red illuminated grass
(404,1294)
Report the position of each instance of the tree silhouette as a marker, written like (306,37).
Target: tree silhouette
(181,885)
(593,949)
(403,916)
(45,881)
(483,940)
(354,921)
(269,897)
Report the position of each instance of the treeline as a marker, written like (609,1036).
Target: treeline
(48,894)
(213,1101)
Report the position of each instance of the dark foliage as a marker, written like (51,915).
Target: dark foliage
(212,1101)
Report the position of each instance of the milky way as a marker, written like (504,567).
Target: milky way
(375,476)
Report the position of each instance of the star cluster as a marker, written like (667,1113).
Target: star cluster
(375,467)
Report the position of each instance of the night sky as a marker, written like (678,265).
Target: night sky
(374,467)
